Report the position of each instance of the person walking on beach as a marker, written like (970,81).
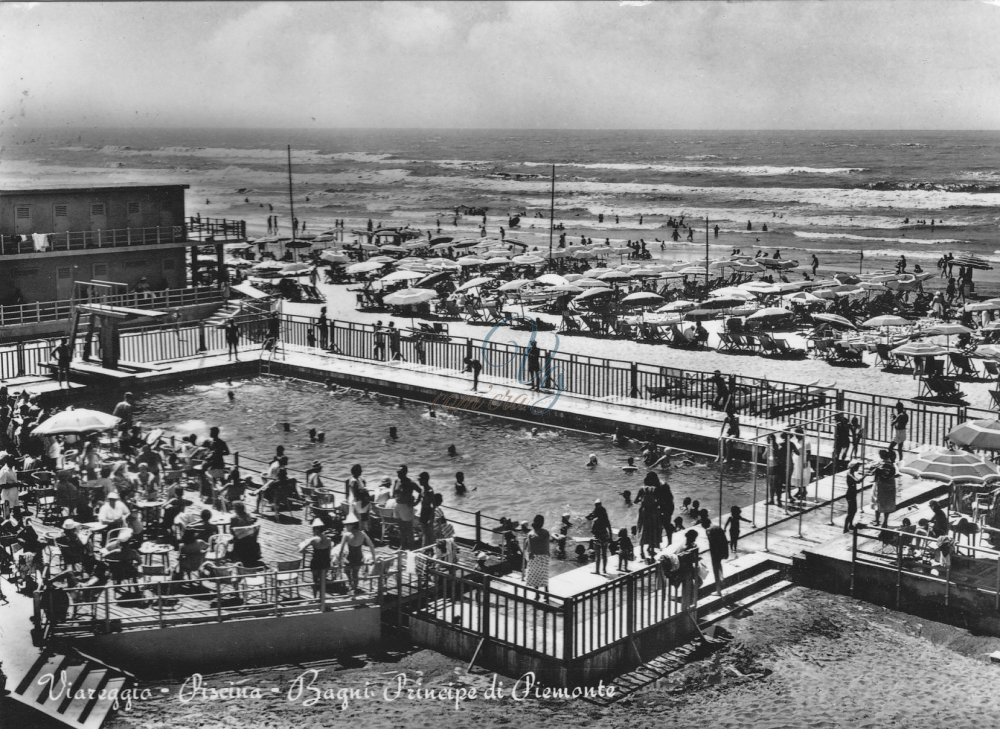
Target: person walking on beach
(815,264)
(900,420)
(536,551)
(601,530)
(475,367)
(233,339)
(716,231)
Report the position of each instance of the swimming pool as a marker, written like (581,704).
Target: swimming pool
(509,471)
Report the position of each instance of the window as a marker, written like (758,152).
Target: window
(22,212)
(62,211)
(133,208)
(96,210)
(63,273)
(100,270)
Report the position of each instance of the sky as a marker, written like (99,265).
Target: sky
(863,64)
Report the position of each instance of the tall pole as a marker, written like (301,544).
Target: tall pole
(706,256)
(291,203)
(552,210)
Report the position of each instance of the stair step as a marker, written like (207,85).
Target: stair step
(29,687)
(757,597)
(104,703)
(88,681)
(739,590)
(52,696)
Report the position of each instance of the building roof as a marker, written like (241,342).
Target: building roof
(91,188)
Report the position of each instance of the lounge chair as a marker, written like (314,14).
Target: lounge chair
(963,365)
(494,315)
(992,368)
(889,360)
(941,388)
(472,314)
(594,322)
(679,339)
(570,325)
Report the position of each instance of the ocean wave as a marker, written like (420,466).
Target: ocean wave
(263,154)
(877,239)
(746,170)
(973,187)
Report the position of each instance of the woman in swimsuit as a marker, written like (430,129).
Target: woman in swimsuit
(320,561)
(351,546)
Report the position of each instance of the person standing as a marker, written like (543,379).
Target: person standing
(407,497)
(379,352)
(718,550)
(854,481)
(721,390)
(62,356)
(648,523)
(323,324)
(215,464)
(841,440)
(534,366)
(352,551)
(536,553)
(601,529)
(815,264)
(900,421)
(775,483)
(732,527)
(394,341)
(123,411)
(319,562)
(233,339)
(475,367)
(885,488)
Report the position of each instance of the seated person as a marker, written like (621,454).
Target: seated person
(113,512)
(383,493)
(279,490)
(245,548)
(147,483)
(203,527)
(192,554)
(75,549)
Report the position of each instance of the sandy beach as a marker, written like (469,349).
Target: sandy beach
(803,658)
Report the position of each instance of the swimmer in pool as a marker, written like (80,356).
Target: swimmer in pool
(592,461)
(460,487)
(452,451)
(392,432)
(627,495)
(432,412)
(534,432)
(630,467)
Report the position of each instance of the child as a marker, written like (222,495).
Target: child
(686,505)
(676,528)
(733,526)
(695,511)
(625,550)
(627,495)
(460,487)
(630,467)
(581,554)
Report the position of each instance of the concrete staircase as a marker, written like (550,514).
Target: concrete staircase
(755,581)
(227,312)
(74,689)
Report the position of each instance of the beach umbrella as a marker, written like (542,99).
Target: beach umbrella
(722,302)
(803,297)
(835,319)
(268,265)
(769,313)
(591,294)
(567,288)
(527,259)
(298,244)
(470,261)
(642,298)
(988,351)
(590,283)
(496,253)
(553,279)
(415,245)
(919,349)
(601,250)
(295,269)
(438,240)
(886,320)
(438,247)
(614,276)
(514,285)
(465,243)
(404,275)
(444,264)
(872,286)
(847,278)
(364,267)
(988,305)
(496,262)
(334,257)
(410,297)
(735,291)
(598,270)
(431,279)
(80,420)
(583,254)
(951,466)
(691,271)
(748,267)
(474,282)
(679,305)
(983,435)
(946,330)
(383,259)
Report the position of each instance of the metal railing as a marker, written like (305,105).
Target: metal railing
(214,230)
(918,558)
(78,240)
(145,603)
(45,311)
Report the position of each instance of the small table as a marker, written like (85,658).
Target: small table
(152,511)
(222,521)
(148,550)
(93,528)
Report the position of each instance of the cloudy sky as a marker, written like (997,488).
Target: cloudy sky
(686,65)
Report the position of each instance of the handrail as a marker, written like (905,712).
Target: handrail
(43,311)
(73,240)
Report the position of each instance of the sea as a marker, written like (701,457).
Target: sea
(854,198)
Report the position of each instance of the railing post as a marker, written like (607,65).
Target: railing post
(634,380)
(854,556)
(159,603)
(630,604)
(479,528)
(899,570)
(107,608)
(201,337)
(20,359)
(399,588)
(322,591)
(569,639)
(484,615)
(947,580)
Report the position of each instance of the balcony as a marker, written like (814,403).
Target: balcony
(49,311)
(195,230)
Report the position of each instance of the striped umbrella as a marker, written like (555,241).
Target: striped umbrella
(983,435)
(951,466)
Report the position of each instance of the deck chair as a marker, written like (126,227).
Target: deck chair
(963,365)
(494,315)
(846,354)
(992,368)
(679,339)
(727,342)
(824,349)
(288,579)
(941,388)
(570,325)
(768,346)
(995,396)
(472,314)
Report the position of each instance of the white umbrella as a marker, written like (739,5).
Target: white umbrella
(642,298)
(553,279)
(443,264)
(514,285)
(410,297)
(470,261)
(679,305)
(382,259)
(886,320)
(527,259)
(80,420)
(268,266)
(401,276)
(615,276)
(334,256)
(769,312)
(474,282)
(295,269)
(590,283)
(364,267)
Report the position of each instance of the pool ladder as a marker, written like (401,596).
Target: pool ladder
(267,354)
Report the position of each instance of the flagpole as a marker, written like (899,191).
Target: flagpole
(706,256)
(291,203)
(552,210)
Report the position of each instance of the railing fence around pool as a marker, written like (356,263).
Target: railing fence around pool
(576,374)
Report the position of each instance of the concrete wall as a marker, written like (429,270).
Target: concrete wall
(158,205)
(182,650)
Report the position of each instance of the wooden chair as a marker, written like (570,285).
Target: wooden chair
(288,578)
(963,365)
(252,579)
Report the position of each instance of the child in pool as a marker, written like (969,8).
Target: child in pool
(460,487)
(686,505)
(732,526)
(630,467)
(625,550)
(695,511)
(592,461)
(581,554)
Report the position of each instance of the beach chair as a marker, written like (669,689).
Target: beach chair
(472,314)
(288,578)
(941,388)
(963,365)
(594,322)
(846,354)
(727,342)
(679,339)
(995,397)
(768,347)
(992,369)
(494,315)
(570,325)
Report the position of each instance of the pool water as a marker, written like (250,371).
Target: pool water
(509,471)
